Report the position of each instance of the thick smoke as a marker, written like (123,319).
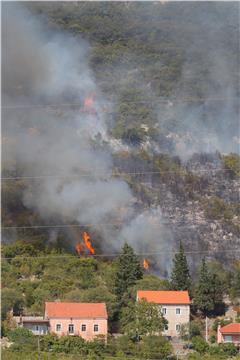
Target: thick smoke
(62,146)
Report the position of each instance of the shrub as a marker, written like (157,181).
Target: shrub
(199,344)
(19,334)
(229,348)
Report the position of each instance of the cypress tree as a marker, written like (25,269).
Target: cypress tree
(180,277)
(209,291)
(128,270)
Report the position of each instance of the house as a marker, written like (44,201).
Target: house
(37,324)
(175,306)
(87,320)
(229,333)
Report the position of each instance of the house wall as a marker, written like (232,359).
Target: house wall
(175,319)
(89,334)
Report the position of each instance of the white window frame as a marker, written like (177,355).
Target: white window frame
(94,328)
(82,327)
(164,310)
(178,313)
(71,332)
(178,326)
(58,325)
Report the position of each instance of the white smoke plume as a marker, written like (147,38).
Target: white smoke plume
(63,145)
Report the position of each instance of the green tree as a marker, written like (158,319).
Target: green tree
(180,277)
(235,288)
(229,348)
(128,271)
(143,318)
(208,292)
(199,344)
(11,299)
(155,347)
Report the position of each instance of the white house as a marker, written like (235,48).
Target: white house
(175,306)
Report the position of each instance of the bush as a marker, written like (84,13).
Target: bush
(19,334)
(213,339)
(23,339)
(155,347)
(229,348)
(194,330)
(199,344)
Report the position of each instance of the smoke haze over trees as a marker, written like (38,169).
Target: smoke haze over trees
(164,81)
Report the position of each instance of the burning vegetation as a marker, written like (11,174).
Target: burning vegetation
(145,264)
(88,105)
(85,247)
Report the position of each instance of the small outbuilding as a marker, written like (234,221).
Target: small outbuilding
(229,333)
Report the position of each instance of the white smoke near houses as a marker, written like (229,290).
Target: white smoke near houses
(60,147)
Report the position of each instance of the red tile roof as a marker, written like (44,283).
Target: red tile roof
(164,297)
(230,329)
(75,310)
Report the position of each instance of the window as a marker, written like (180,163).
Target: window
(178,327)
(178,311)
(95,328)
(71,329)
(164,311)
(58,327)
(228,338)
(83,327)
(37,328)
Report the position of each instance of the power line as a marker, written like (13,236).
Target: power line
(177,223)
(60,226)
(182,172)
(168,100)
(117,254)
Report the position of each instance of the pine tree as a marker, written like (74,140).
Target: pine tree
(209,292)
(180,277)
(128,270)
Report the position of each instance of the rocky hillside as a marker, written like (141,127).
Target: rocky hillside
(129,120)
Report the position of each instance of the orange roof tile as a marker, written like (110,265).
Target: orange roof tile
(75,310)
(164,297)
(230,329)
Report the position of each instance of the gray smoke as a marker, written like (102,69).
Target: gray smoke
(210,72)
(62,145)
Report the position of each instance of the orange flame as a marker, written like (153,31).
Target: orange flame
(88,102)
(145,264)
(87,242)
(79,248)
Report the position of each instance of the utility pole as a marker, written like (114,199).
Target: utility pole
(206,328)
(39,355)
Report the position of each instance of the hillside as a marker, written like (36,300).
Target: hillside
(144,112)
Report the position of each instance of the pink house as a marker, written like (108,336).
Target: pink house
(87,320)
(229,333)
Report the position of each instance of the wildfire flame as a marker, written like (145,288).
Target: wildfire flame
(78,248)
(88,105)
(87,242)
(88,102)
(145,264)
(85,246)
